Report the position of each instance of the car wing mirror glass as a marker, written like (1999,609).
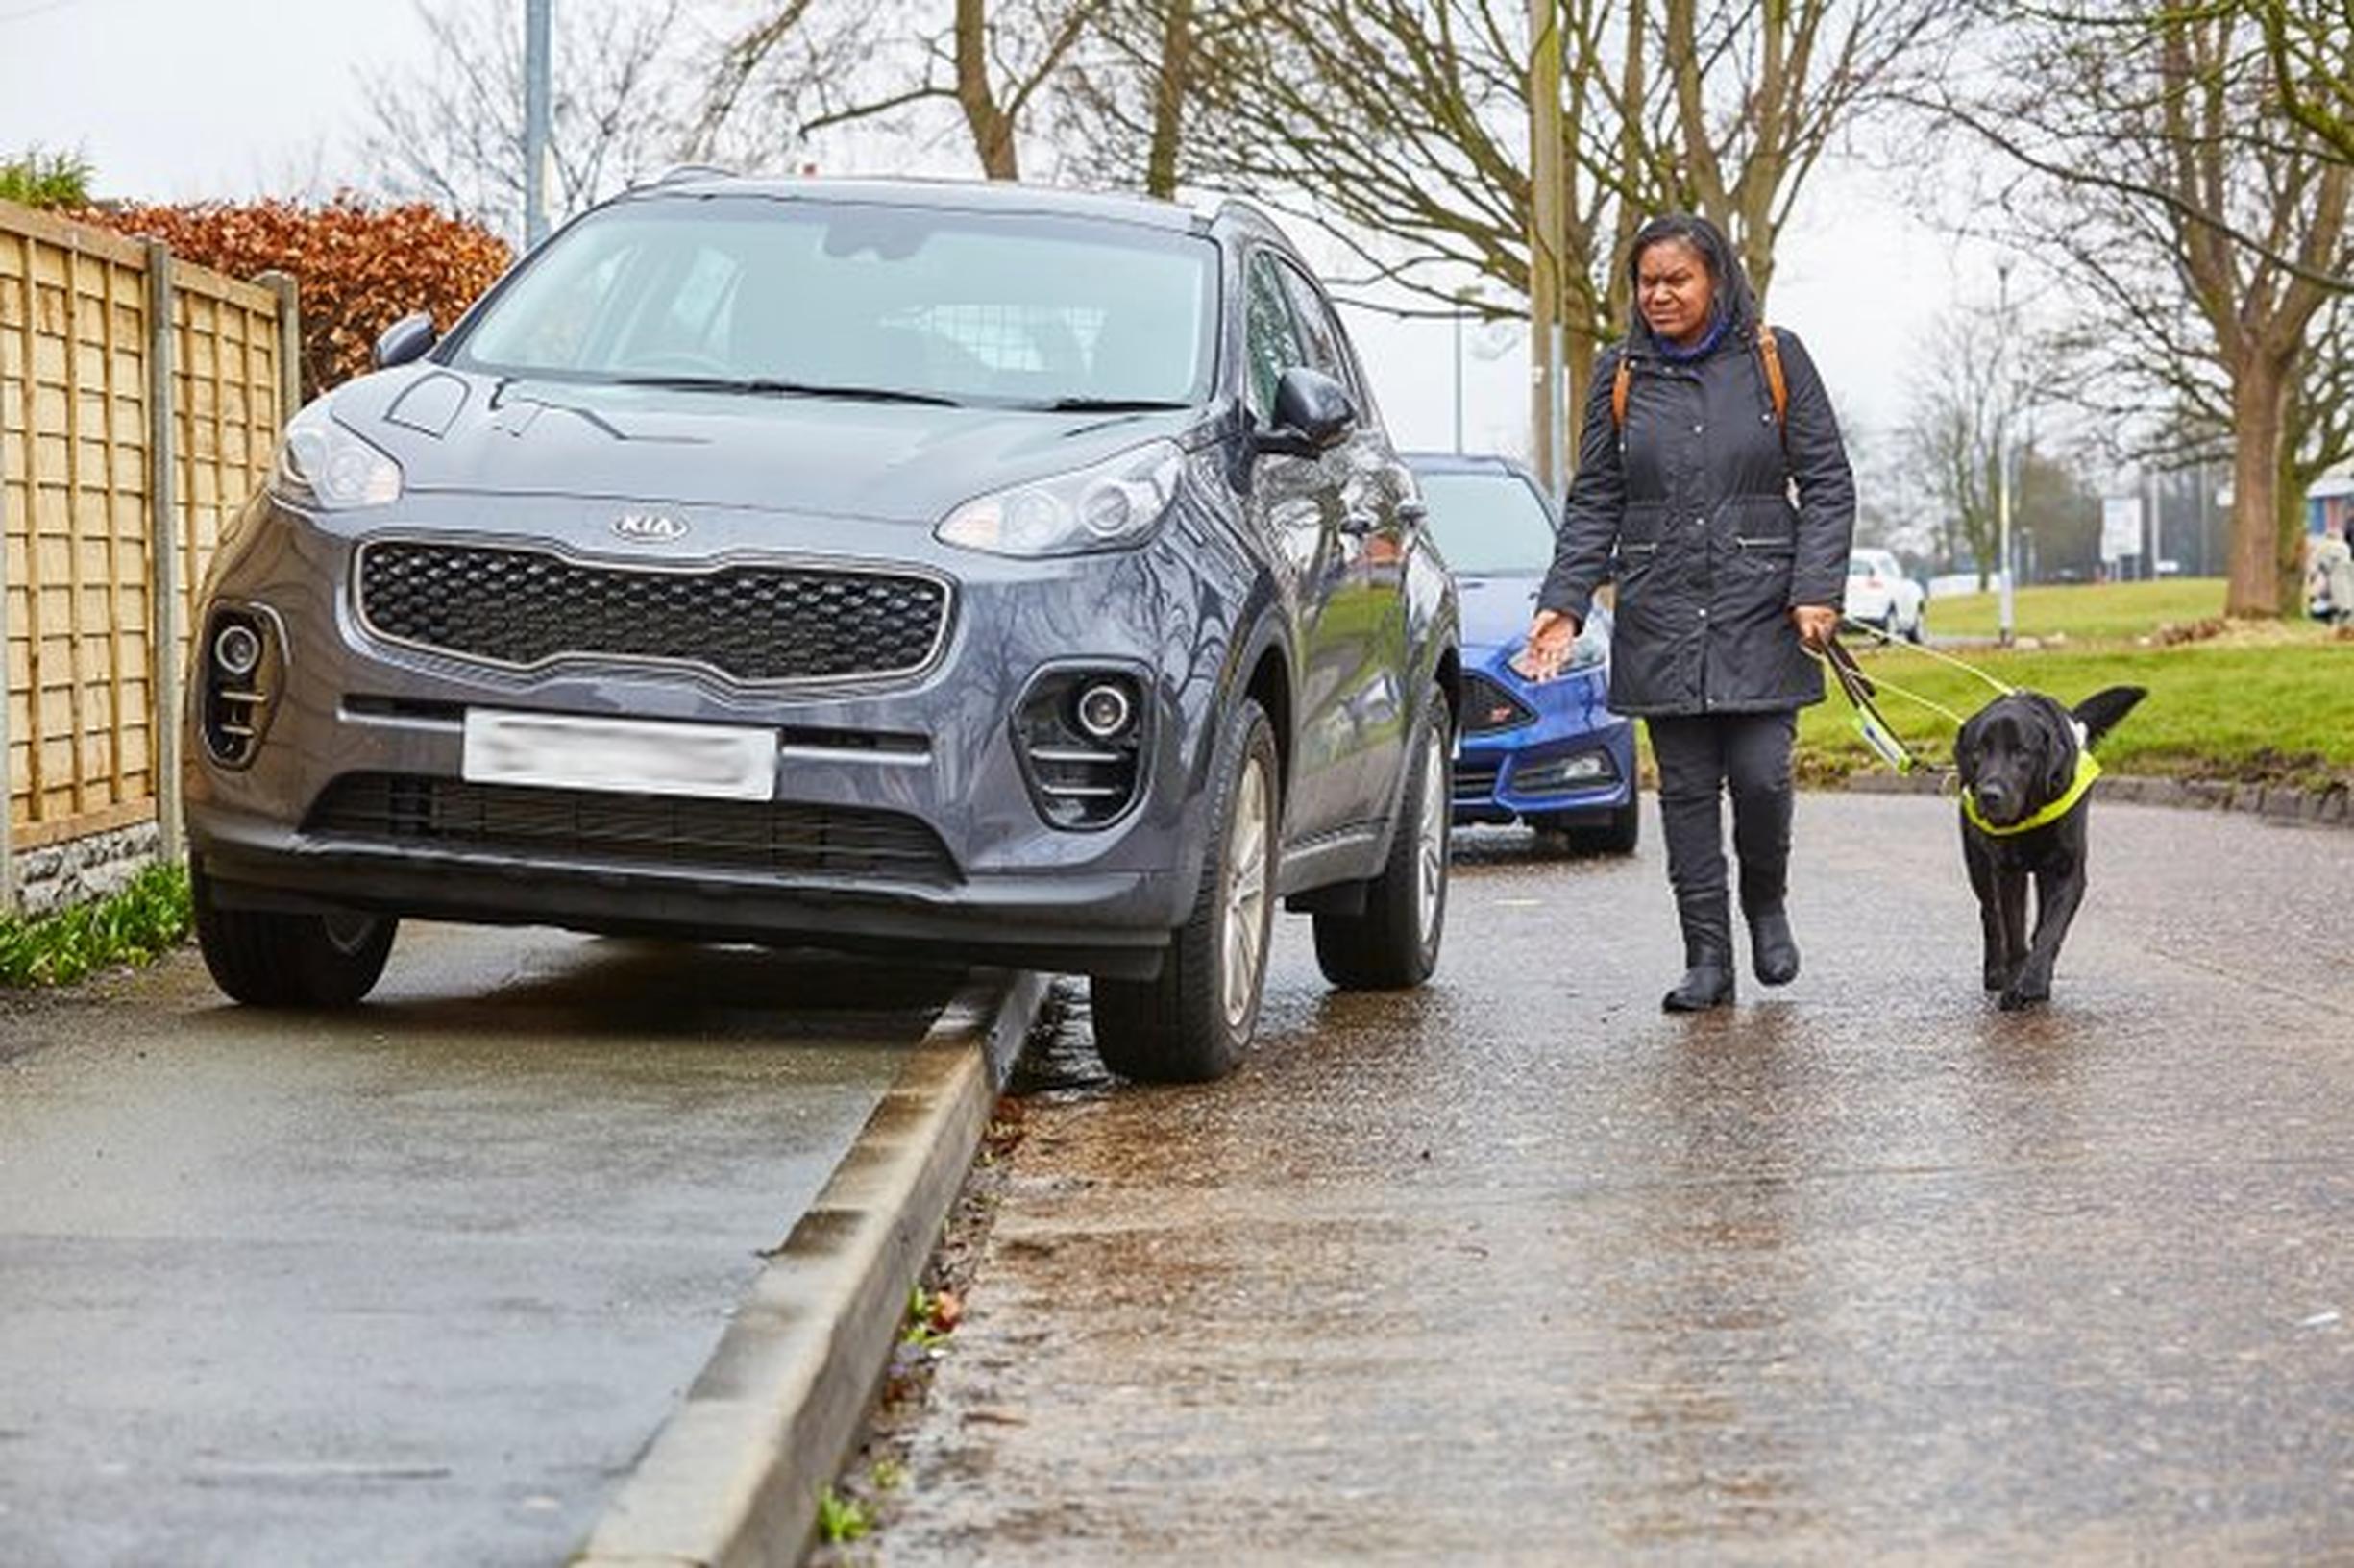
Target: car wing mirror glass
(404,340)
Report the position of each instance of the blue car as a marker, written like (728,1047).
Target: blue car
(1552,756)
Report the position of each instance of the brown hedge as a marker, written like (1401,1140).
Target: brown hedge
(360,267)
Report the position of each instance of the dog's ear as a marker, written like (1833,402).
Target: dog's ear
(2057,733)
(1966,747)
(2100,712)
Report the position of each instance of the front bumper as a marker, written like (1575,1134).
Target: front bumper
(1573,758)
(936,753)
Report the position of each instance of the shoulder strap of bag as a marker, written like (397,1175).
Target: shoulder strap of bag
(1770,356)
(1769,359)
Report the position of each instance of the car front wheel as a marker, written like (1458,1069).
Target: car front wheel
(1192,1023)
(1393,946)
(264,959)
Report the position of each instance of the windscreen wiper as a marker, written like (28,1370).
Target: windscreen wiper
(1111,405)
(764,387)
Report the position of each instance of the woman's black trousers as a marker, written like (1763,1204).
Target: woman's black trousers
(1700,758)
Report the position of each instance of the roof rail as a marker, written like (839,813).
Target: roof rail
(691,171)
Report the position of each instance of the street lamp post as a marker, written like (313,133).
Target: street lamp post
(1458,373)
(2007,630)
(536,70)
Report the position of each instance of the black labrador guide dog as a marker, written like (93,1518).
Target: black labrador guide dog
(2025,765)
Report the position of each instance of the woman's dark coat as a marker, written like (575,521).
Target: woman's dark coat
(1691,509)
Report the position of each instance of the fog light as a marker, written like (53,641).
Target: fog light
(237,649)
(1587,768)
(1105,711)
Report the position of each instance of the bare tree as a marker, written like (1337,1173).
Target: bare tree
(449,129)
(1402,127)
(995,60)
(2306,43)
(2206,233)
(1136,100)
(1963,407)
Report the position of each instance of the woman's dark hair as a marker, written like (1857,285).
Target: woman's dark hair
(1735,300)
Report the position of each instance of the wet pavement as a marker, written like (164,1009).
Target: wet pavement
(1514,1269)
(411,1285)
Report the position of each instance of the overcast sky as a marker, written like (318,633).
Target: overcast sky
(180,99)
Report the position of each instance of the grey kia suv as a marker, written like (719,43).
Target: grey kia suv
(969,572)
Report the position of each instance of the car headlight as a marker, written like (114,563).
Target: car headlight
(324,465)
(1108,505)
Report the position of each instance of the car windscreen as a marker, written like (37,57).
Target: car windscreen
(1489,524)
(761,294)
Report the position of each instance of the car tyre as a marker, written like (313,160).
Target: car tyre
(264,959)
(1192,1022)
(1393,946)
(1621,835)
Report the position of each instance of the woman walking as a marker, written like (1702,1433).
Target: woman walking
(1712,480)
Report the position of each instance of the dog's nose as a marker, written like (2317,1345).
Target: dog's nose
(1994,796)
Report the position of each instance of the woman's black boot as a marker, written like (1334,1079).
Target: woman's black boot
(1705,984)
(1772,951)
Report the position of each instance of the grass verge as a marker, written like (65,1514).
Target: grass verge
(2109,611)
(2274,709)
(147,918)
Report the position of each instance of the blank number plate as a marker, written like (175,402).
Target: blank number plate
(717,761)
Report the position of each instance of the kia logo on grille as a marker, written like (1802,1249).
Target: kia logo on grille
(655,527)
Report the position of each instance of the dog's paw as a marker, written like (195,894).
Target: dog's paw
(1997,977)
(2024,992)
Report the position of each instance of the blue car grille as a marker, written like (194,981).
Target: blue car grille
(1488,707)
(1475,777)
(524,607)
(662,831)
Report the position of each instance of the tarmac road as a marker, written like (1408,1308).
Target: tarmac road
(411,1285)
(1515,1270)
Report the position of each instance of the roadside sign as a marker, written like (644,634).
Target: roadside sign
(2120,526)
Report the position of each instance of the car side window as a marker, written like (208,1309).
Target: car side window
(1271,335)
(1319,333)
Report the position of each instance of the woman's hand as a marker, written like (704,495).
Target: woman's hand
(1551,637)
(1816,623)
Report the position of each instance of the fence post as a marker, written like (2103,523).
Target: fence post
(289,342)
(8,830)
(164,548)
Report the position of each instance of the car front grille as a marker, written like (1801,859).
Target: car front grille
(669,832)
(1488,707)
(524,607)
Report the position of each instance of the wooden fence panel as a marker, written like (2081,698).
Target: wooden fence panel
(79,741)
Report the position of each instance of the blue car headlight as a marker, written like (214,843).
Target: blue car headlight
(1106,505)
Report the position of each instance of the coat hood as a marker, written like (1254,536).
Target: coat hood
(1736,301)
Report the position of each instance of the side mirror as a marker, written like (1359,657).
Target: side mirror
(404,340)
(1312,413)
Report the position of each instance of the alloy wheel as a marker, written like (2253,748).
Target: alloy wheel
(1431,859)
(1249,840)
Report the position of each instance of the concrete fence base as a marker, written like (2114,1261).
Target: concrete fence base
(85,869)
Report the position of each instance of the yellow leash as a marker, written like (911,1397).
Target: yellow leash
(1860,690)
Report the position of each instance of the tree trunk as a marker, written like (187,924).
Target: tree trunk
(2259,407)
(1170,89)
(992,130)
